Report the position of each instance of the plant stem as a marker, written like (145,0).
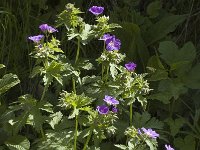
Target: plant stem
(43,93)
(76,59)
(107,72)
(131,114)
(42,133)
(76,130)
(74,85)
(87,140)
(78,51)
(102,70)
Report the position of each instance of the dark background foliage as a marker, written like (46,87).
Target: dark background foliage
(145,25)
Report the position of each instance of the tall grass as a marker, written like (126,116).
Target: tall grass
(16,24)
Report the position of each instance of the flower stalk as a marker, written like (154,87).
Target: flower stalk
(76,59)
(76,130)
(87,140)
(131,114)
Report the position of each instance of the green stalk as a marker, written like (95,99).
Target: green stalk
(102,69)
(43,93)
(45,63)
(107,72)
(74,85)
(78,51)
(76,59)
(42,133)
(87,140)
(141,143)
(76,130)
(131,114)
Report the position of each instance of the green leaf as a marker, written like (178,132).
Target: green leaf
(145,120)
(154,8)
(83,64)
(135,46)
(113,71)
(37,118)
(169,88)
(4,136)
(18,142)
(7,82)
(142,100)
(161,96)
(20,122)
(74,113)
(152,145)
(86,34)
(188,143)
(175,125)
(168,50)
(121,146)
(36,70)
(163,27)
(54,70)
(192,79)
(72,34)
(158,72)
(56,140)
(56,118)
(177,58)
(1,66)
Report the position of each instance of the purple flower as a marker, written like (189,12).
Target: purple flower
(44,27)
(40,46)
(110,100)
(47,28)
(139,132)
(113,43)
(96,10)
(168,147)
(36,38)
(130,66)
(106,37)
(103,110)
(114,110)
(150,133)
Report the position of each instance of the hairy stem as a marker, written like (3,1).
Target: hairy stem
(103,67)
(76,130)
(87,140)
(74,85)
(42,133)
(107,73)
(131,114)
(43,93)
(78,51)
(102,71)
(76,59)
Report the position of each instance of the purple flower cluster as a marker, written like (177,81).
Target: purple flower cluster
(112,102)
(36,39)
(112,43)
(46,28)
(149,132)
(130,66)
(96,10)
(168,147)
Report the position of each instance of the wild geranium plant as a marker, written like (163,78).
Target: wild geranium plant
(89,112)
